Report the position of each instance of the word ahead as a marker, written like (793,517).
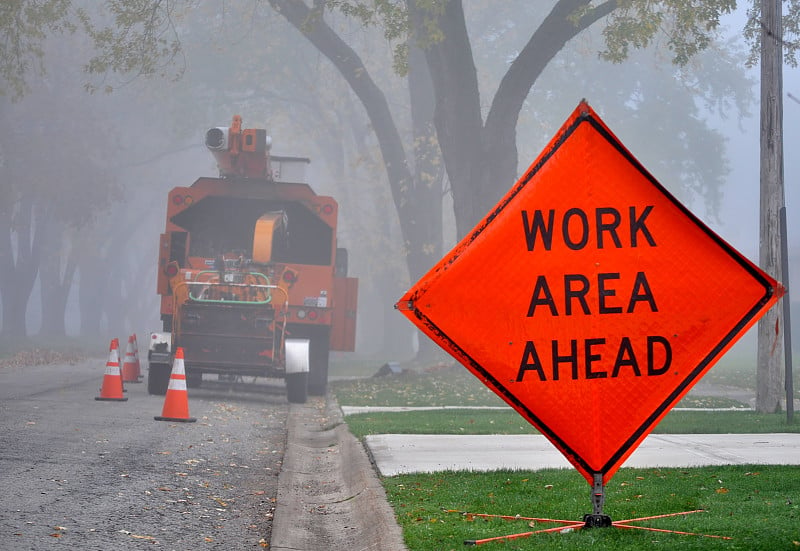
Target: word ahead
(580,360)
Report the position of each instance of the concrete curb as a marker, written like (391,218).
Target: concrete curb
(329,495)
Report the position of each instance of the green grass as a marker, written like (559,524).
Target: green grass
(455,386)
(349,364)
(755,506)
(446,387)
(463,421)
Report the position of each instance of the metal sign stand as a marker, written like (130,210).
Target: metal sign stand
(595,519)
(569,525)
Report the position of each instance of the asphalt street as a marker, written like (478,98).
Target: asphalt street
(94,475)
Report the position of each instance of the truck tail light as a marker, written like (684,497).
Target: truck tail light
(290,276)
(182,200)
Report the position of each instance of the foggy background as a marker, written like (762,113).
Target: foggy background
(100,165)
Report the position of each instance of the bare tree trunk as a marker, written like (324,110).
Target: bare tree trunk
(91,291)
(56,274)
(427,183)
(770,328)
(481,157)
(18,271)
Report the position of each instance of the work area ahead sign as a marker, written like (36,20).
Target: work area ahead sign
(589,298)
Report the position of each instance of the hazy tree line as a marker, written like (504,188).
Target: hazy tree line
(417,114)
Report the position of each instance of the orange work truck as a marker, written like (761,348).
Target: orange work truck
(251,280)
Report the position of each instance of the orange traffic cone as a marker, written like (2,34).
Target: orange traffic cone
(130,367)
(176,402)
(112,381)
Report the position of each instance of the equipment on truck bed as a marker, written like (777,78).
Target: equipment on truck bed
(251,280)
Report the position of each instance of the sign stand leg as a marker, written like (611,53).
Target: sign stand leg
(597,519)
(569,525)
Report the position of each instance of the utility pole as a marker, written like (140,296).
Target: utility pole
(770,368)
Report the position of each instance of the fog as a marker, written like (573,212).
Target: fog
(145,137)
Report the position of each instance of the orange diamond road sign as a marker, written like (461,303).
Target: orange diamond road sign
(589,298)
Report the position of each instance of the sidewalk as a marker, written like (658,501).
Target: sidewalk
(403,453)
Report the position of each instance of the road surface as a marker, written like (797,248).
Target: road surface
(83,474)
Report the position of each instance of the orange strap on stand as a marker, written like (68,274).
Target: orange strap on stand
(577,525)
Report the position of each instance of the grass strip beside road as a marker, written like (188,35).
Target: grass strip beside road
(455,386)
(757,506)
(467,421)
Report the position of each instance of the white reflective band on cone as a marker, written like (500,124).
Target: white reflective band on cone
(177,367)
(177,384)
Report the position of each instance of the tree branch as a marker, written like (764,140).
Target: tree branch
(545,43)
(311,23)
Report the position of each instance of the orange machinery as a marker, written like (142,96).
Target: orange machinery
(251,280)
